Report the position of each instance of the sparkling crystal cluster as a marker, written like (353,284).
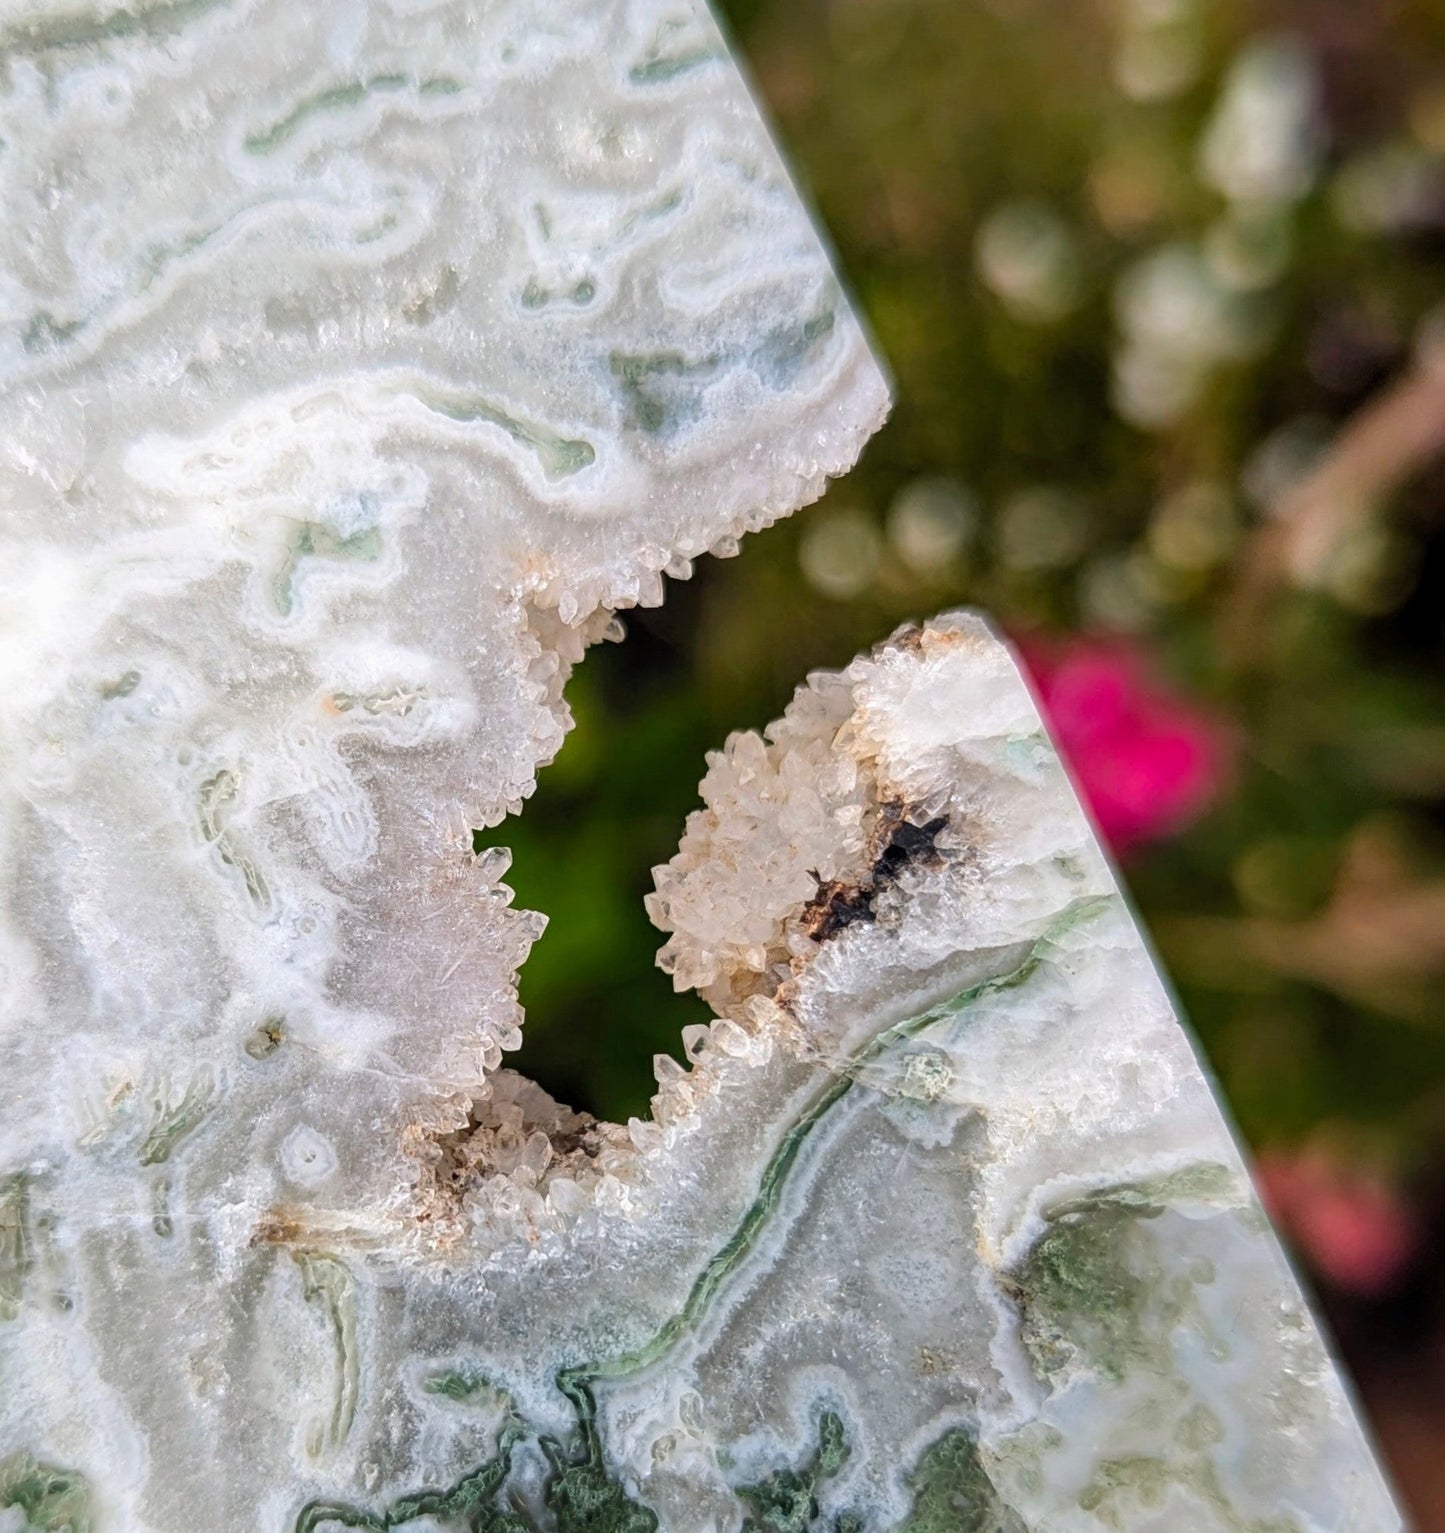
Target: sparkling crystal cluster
(359,360)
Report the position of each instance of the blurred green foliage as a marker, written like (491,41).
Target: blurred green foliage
(1140,268)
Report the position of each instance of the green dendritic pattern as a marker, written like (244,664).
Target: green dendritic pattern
(1091,1287)
(787,1501)
(581,1495)
(51,1500)
(15,1248)
(1089,1291)
(952,1494)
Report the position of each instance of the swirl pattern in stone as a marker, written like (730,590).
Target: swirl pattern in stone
(358,360)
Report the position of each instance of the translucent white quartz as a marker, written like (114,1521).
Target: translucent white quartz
(358,359)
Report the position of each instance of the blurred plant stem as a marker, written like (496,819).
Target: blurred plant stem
(1379,942)
(1384,445)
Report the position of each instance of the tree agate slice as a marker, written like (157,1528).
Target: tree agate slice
(358,360)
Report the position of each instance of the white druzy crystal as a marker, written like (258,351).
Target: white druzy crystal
(358,360)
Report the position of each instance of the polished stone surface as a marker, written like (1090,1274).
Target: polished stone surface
(358,360)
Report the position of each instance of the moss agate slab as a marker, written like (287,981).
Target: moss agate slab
(359,359)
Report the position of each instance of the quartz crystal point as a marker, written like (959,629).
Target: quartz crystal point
(358,360)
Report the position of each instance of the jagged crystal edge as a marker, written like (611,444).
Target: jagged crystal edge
(358,360)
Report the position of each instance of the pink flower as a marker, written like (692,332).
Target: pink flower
(1348,1223)
(1146,760)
